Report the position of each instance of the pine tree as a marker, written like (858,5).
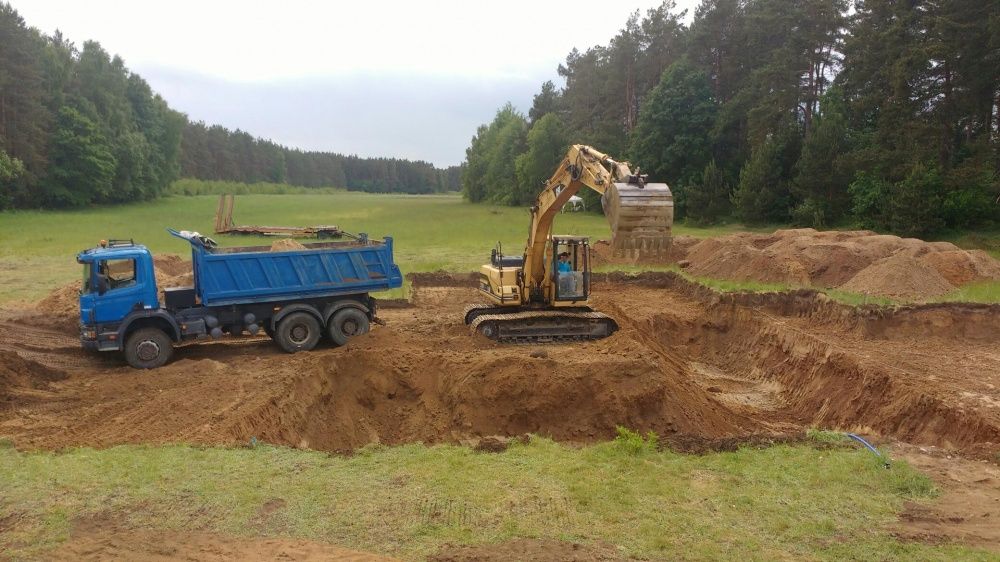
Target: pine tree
(708,199)
(823,170)
(762,194)
(671,139)
(547,145)
(546,101)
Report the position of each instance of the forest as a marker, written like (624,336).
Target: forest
(78,128)
(881,114)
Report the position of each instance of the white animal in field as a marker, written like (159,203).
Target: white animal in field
(575,203)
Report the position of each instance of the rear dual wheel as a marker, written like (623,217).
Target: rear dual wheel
(346,324)
(299,331)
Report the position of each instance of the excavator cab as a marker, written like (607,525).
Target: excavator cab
(571,277)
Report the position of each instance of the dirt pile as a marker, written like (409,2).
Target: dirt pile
(63,301)
(171,265)
(859,261)
(602,255)
(899,276)
(18,374)
(170,270)
(286,244)
(364,395)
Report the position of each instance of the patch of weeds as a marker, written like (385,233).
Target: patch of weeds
(635,444)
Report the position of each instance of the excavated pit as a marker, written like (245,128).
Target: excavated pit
(688,364)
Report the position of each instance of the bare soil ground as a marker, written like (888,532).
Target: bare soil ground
(697,367)
(687,362)
(857,261)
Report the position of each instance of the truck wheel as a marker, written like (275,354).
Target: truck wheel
(346,324)
(148,348)
(299,331)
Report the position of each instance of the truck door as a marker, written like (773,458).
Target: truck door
(119,289)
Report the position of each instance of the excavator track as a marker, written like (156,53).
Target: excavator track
(540,326)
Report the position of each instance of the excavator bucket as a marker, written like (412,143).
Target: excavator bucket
(641,219)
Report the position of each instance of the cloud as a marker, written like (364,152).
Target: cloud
(418,117)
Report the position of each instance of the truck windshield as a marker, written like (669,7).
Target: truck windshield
(86,279)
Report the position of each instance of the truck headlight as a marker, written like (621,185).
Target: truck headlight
(89,334)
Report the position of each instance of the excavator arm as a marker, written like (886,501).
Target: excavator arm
(640,214)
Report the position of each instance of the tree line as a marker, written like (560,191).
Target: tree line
(77,128)
(216,153)
(769,111)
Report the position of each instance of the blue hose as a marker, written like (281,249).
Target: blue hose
(870,447)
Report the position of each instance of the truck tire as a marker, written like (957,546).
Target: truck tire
(148,348)
(346,324)
(299,331)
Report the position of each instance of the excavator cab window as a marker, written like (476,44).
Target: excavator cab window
(571,269)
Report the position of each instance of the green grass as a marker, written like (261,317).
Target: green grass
(432,232)
(988,240)
(208,187)
(785,502)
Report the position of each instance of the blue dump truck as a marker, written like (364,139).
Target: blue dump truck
(294,296)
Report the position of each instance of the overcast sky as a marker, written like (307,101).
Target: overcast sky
(375,78)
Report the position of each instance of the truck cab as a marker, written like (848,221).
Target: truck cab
(118,281)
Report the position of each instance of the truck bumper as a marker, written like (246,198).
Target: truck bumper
(93,339)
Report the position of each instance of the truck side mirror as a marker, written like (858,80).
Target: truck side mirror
(102,284)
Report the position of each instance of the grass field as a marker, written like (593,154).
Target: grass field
(432,232)
(787,502)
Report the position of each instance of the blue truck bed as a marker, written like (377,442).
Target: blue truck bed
(256,274)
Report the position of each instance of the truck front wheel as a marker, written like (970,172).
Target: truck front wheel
(346,324)
(148,348)
(299,331)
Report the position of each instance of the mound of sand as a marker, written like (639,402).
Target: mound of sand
(601,253)
(285,244)
(861,261)
(170,270)
(899,276)
(18,373)
(171,265)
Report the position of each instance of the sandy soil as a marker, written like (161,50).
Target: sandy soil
(857,261)
(687,361)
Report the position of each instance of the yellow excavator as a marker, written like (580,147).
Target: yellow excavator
(543,295)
